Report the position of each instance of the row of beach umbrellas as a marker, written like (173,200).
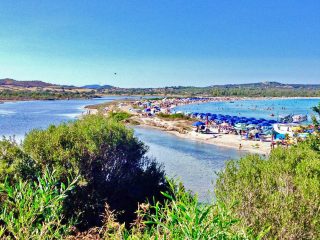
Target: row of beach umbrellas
(233,120)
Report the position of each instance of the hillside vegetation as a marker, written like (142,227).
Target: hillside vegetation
(14,90)
(264,89)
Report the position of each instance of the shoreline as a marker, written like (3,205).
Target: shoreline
(182,128)
(210,140)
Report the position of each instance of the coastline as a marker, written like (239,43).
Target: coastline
(220,140)
(181,128)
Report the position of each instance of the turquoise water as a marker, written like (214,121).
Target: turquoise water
(255,108)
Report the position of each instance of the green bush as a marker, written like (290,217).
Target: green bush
(181,216)
(119,116)
(13,162)
(33,209)
(173,116)
(110,161)
(281,192)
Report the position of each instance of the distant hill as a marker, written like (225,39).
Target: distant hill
(97,86)
(268,85)
(26,84)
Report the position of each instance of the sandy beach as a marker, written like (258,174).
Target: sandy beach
(224,140)
(183,129)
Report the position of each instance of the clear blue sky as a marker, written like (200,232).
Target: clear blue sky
(160,43)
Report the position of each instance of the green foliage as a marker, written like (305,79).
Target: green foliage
(174,116)
(181,216)
(119,116)
(315,122)
(111,163)
(281,192)
(44,95)
(13,161)
(237,90)
(33,209)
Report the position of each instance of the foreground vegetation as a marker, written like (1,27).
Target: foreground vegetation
(91,179)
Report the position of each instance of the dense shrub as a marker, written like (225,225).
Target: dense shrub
(175,116)
(281,192)
(119,116)
(13,162)
(111,163)
(33,209)
(181,216)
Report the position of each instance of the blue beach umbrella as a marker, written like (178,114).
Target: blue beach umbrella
(272,121)
(264,124)
(198,123)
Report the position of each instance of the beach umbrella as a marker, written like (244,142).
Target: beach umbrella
(272,121)
(243,121)
(212,118)
(264,124)
(208,114)
(198,123)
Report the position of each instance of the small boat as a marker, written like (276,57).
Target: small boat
(299,118)
(285,118)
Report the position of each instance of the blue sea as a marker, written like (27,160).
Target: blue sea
(255,108)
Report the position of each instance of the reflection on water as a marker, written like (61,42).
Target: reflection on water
(194,163)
